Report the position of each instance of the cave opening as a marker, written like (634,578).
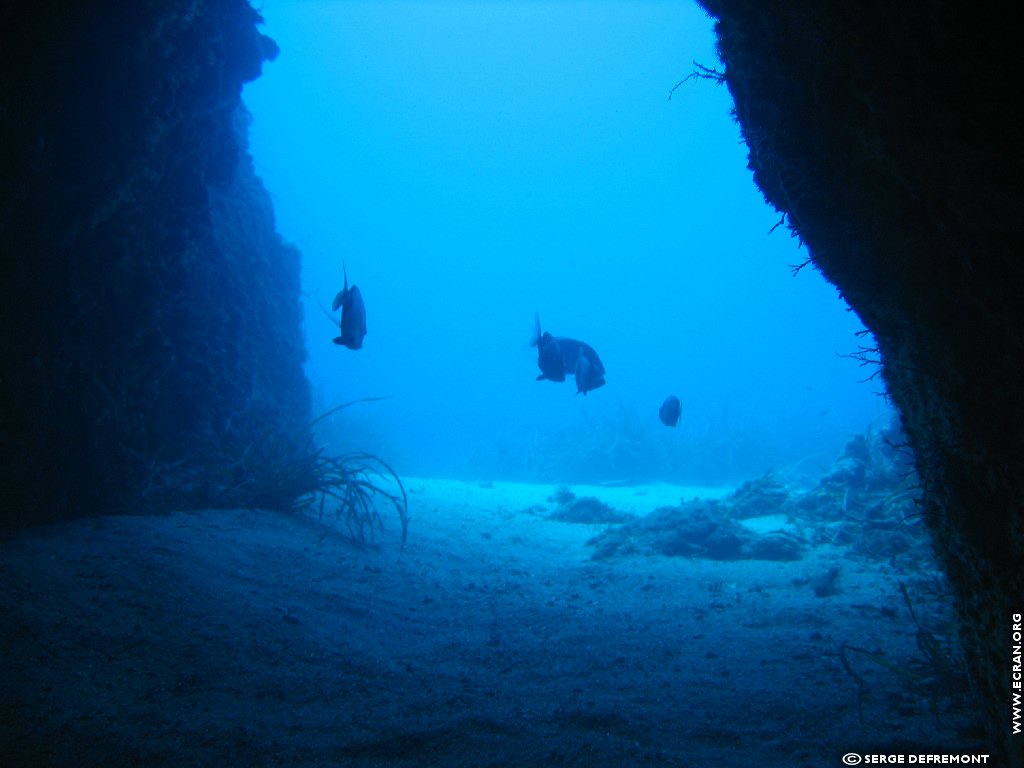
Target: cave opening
(475,164)
(573,580)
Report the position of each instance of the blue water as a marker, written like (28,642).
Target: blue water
(475,163)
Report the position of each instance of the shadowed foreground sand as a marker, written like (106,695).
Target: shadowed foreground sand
(251,638)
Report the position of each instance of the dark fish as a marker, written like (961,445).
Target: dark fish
(549,358)
(558,356)
(353,315)
(670,411)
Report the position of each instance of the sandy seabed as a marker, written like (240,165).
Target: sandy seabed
(252,638)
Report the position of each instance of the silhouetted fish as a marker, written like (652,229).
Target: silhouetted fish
(670,411)
(353,315)
(549,358)
(557,356)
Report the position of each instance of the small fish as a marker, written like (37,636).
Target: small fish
(353,315)
(558,356)
(670,411)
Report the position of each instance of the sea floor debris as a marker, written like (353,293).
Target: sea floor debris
(866,503)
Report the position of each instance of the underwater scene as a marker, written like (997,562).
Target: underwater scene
(605,470)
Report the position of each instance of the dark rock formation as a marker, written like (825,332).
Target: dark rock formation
(882,131)
(150,312)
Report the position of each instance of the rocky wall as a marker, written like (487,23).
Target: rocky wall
(151,326)
(882,131)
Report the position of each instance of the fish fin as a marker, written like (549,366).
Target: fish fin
(535,339)
(339,340)
(340,298)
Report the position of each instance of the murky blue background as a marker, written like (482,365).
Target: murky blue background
(476,162)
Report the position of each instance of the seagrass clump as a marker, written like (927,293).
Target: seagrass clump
(356,484)
(291,474)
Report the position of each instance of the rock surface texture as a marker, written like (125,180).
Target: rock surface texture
(882,131)
(150,312)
